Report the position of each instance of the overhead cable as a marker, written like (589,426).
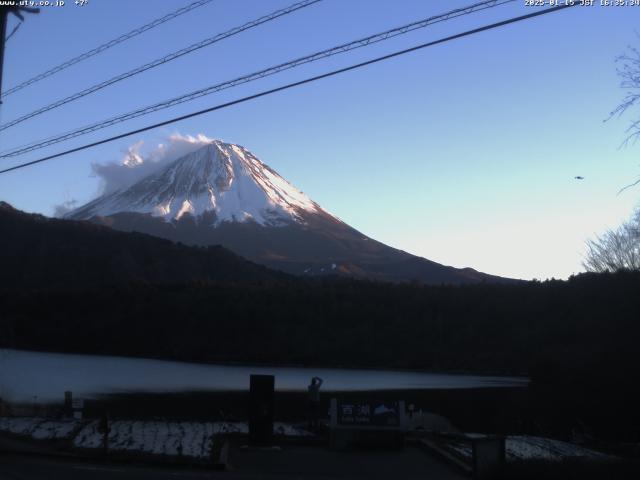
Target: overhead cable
(371,39)
(537,13)
(106,46)
(161,61)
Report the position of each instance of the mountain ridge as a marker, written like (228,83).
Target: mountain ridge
(221,193)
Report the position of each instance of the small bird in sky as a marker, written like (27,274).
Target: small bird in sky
(578,177)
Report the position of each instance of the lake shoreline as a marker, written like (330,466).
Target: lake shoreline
(36,377)
(492,373)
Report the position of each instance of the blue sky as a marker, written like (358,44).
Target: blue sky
(464,153)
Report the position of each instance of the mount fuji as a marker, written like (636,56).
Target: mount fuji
(221,194)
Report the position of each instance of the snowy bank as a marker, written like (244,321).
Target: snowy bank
(175,439)
(526,447)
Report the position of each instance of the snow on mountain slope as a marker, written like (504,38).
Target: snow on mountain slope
(216,193)
(218,177)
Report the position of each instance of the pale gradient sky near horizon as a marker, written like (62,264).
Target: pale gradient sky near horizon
(464,153)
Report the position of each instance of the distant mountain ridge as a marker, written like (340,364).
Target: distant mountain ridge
(222,194)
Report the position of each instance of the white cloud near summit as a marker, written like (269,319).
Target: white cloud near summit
(136,163)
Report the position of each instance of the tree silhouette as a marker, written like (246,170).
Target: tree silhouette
(617,249)
(628,70)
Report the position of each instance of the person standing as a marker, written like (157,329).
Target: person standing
(314,402)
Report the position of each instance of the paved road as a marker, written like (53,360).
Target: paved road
(319,463)
(291,464)
(29,467)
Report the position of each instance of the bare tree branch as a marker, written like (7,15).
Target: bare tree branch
(628,70)
(629,186)
(616,249)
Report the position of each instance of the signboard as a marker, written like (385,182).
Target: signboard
(366,413)
(78,406)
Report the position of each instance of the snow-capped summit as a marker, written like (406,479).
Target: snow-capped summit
(221,194)
(219,178)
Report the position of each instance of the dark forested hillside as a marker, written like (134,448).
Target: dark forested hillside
(589,320)
(41,252)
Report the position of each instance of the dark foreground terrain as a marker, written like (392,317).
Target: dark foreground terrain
(81,288)
(309,462)
(288,463)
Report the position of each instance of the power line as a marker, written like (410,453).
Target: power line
(106,46)
(294,84)
(260,74)
(160,61)
(255,76)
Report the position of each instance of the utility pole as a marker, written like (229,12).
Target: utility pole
(4,16)
(4,13)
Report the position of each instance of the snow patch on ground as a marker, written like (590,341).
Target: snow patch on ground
(525,447)
(186,439)
(182,439)
(39,428)
(289,430)
(195,439)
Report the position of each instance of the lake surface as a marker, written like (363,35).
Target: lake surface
(44,377)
